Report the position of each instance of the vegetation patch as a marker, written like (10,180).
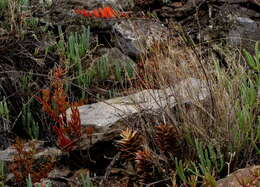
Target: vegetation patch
(64,58)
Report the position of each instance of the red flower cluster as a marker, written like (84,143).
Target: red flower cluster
(55,105)
(107,12)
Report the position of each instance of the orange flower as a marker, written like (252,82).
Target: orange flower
(110,12)
(103,13)
(96,13)
(85,13)
(107,12)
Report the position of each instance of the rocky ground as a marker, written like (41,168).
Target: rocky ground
(130,70)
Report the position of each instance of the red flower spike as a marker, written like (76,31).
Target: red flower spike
(85,13)
(75,122)
(96,13)
(46,95)
(56,104)
(82,12)
(103,13)
(59,73)
(109,12)
(90,13)
(63,141)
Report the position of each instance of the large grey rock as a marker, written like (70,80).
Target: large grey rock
(103,114)
(136,36)
(108,118)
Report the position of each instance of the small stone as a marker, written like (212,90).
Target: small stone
(135,37)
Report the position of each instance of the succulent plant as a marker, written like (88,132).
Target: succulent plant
(144,164)
(168,139)
(129,144)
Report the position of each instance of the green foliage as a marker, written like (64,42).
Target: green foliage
(129,69)
(31,22)
(166,1)
(23,2)
(113,93)
(4,111)
(209,180)
(247,114)
(25,82)
(253,61)
(75,49)
(86,181)
(118,72)
(61,43)
(30,184)
(102,68)
(123,70)
(78,44)
(188,174)
(119,69)
(180,170)
(209,160)
(257,139)
(29,123)
(40,185)
(3,6)
(29,181)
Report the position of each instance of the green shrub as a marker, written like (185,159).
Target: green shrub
(3,6)
(4,111)
(74,50)
(30,125)
(86,181)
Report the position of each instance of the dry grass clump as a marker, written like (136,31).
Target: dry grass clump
(205,132)
(213,118)
(168,64)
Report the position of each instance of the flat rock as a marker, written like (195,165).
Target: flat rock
(108,118)
(41,152)
(103,114)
